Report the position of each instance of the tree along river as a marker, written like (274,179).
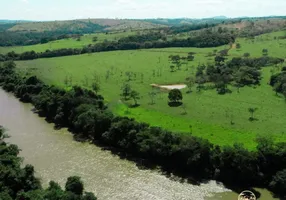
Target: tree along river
(57,156)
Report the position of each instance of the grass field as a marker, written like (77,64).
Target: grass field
(276,47)
(67,43)
(208,114)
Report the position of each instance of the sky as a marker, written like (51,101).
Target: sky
(42,10)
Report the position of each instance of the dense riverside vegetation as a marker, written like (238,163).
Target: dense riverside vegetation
(84,112)
(146,41)
(21,184)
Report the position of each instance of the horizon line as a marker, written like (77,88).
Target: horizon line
(147,18)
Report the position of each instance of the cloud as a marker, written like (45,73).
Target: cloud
(25,1)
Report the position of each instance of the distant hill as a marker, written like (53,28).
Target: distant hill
(220,17)
(7,21)
(101,25)
(256,26)
(182,21)
(84,25)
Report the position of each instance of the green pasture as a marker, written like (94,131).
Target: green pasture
(68,43)
(209,115)
(276,47)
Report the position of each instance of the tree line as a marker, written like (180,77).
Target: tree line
(20,183)
(205,39)
(9,38)
(141,38)
(85,113)
(187,28)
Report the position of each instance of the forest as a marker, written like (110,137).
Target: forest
(85,114)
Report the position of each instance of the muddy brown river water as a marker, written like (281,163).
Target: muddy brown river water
(56,156)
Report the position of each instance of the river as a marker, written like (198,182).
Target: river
(56,156)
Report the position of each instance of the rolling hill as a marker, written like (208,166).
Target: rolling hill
(96,24)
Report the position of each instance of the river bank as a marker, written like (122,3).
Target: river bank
(56,156)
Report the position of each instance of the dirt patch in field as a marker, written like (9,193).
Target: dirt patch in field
(233,46)
(170,87)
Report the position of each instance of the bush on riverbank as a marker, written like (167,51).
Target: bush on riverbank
(84,112)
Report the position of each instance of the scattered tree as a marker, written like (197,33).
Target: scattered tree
(135,96)
(95,87)
(152,96)
(175,95)
(265,52)
(252,111)
(128,75)
(179,66)
(176,60)
(246,55)
(95,39)
(126,90)
(190,83)
(96,77)
(191,56)
(172,67)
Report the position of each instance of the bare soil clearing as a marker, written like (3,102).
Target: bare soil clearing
(170,87)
